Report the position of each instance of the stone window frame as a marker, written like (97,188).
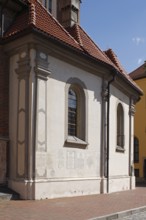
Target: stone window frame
(80,140)
(120,130)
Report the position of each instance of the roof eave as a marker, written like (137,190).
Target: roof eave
(31,28)
(140,92)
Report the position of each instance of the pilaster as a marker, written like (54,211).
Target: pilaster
(131,141)
(23,73)
(42,73)
(103,164)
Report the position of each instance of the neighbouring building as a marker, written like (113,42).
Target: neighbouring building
(139,76)
(66,106)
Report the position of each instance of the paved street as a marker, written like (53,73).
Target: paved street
(79,208)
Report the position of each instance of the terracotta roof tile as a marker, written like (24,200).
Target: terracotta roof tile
(20,24)
(87,44)
(35,16)
(113,57)
(110,53)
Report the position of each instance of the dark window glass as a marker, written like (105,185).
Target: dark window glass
(136,172)
(72,113)
(50,6)
(47,4)
(136,150)
(120,126)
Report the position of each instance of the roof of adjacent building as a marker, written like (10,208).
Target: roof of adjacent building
(139,73)
(35,17)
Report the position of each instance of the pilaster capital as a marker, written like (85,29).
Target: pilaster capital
(132,109)
(42,66)
(104,93)
(24,68)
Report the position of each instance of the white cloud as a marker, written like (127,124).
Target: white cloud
(139,61)
(138,40)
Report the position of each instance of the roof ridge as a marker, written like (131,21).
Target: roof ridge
(78,34)
(65,30)
(51,15)
(32,14)
(110,59)
(114,59)
(95,45)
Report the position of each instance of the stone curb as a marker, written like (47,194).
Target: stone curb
(5,196)
(122,214)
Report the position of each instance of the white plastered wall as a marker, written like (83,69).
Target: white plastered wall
(69,171)
(119,161)
(61,170)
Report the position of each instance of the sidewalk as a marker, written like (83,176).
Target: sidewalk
(76,208)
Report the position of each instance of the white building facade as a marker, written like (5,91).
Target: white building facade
(70,119)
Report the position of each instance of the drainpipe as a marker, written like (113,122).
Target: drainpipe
(130,173)
(108,125)
(131,115)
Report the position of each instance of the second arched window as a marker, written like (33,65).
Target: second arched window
(120,125)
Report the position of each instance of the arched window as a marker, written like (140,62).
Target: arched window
(136,150)
(120,125)
(76,113)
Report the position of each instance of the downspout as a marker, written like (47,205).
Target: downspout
(131,115)
(130,173)
(108,126)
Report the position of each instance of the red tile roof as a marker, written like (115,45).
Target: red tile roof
(139,73)
(32,17)
(35,16)
(87,44)
(113,57)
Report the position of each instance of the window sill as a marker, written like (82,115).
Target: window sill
(120,149)
(73,141)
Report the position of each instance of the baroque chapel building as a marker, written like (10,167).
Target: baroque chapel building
(66,106)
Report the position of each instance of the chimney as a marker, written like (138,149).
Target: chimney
(68,12)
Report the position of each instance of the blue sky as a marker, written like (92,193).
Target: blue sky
(117,24)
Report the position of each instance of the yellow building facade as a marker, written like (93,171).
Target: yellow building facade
(139,76)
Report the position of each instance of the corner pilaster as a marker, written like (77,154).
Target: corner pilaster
(42,73)
(131,141)
(23,73)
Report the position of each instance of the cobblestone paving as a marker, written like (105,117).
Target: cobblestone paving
(138,216)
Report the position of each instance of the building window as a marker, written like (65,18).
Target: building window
(76,112)
(136,172)
(47,4)
(120,126)
(136,150)
(72,112)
